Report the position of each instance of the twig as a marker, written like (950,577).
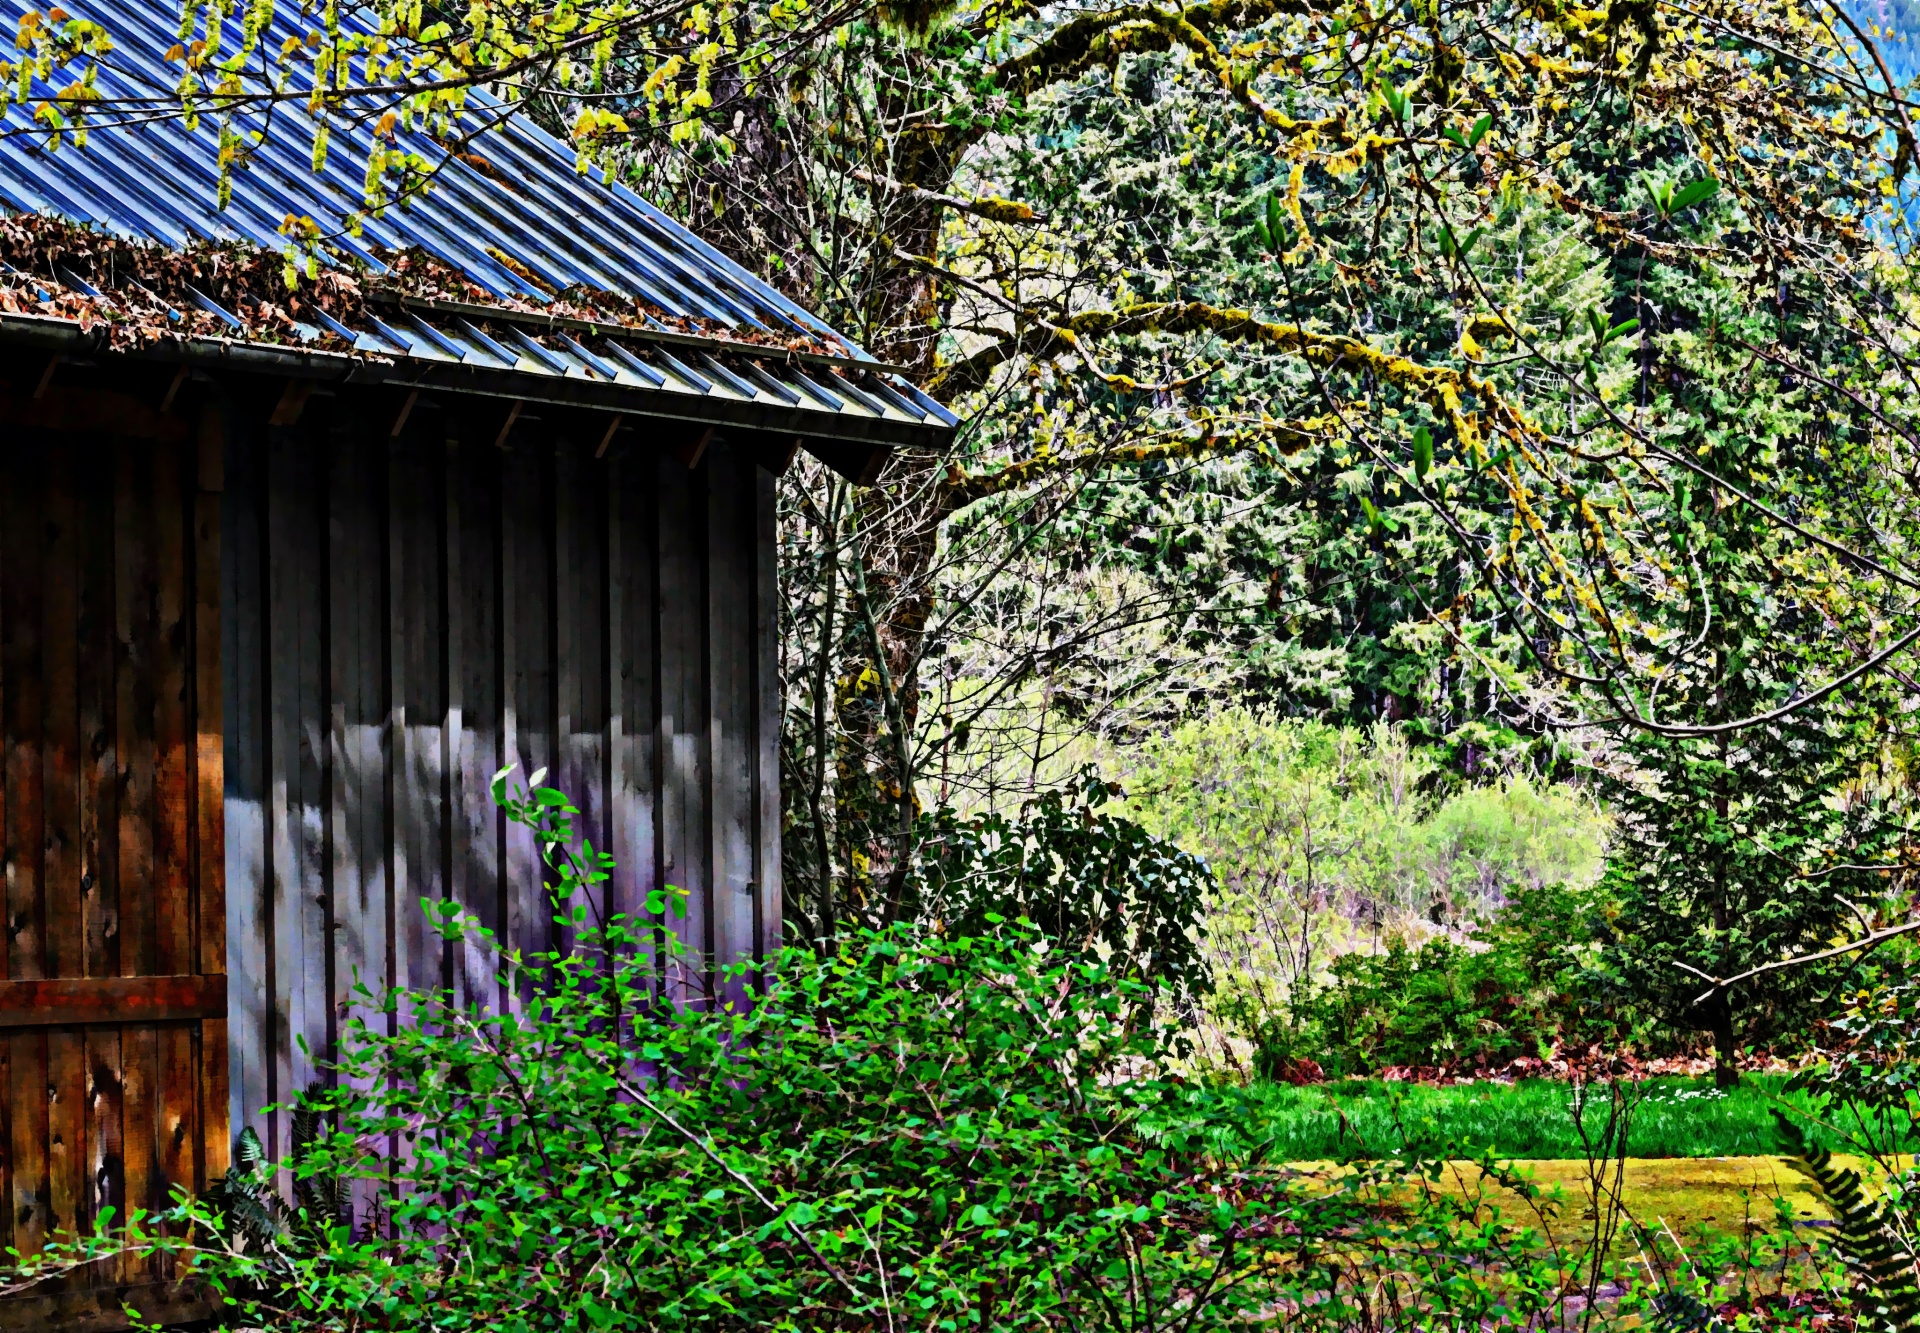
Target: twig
(707,1148)
(1719,984)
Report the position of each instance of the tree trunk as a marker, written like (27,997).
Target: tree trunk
(1726,1073)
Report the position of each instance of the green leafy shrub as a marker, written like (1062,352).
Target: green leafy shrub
(1523,984)
(1094,882)
(907,1130)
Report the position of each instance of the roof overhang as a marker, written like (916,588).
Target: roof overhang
(847,414)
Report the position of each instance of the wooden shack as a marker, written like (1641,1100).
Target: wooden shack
(281,587)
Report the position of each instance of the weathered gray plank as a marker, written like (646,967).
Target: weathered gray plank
(632,680)
(684,827)
(766,629)
(580,654)
(526,637)
(358,725)
(296,491)
(244,616)
(732,707)
(474,707)
(419,629)
(415,511)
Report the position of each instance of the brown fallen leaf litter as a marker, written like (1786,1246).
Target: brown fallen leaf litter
(146,291)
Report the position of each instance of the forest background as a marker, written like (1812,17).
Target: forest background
(1445,467)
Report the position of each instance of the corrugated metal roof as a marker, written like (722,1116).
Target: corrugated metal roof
(526,200)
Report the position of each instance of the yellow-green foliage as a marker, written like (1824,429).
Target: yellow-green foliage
(1324,842)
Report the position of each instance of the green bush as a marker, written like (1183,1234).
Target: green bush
(1093,882)
(903,1131)
(1865,1093)
(1523,984)
(1328,845)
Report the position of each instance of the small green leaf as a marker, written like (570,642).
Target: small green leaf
(1396,101)
(1697,193)
(1422,452)
(1377,523)
(1479,131)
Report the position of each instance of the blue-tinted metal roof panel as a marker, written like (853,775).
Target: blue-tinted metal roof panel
(520,197)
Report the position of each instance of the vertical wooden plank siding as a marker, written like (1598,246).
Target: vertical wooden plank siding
(139,1061)
(399,619)
(767,713)
(357,701)
(296,487)
(580,666)
(99,838)
(109,665)
(60,834)
(178,1140)
(527,680)
(20,626)
(416,544)
(60,720)
(244,616)
(732,527)
(684,829)
(106,1118)
(474,706)
(254,682)
(209,788)
(135,684)
(632,683)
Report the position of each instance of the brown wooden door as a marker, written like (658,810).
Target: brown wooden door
(113,1054)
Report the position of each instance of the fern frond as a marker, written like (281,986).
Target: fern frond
(1870,1239)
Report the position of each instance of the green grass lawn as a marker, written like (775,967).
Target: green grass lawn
(1680,1117)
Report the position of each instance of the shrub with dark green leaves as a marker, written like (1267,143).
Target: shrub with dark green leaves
(1523,983)
(904,1131)
(1095,883)
(909,1130)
